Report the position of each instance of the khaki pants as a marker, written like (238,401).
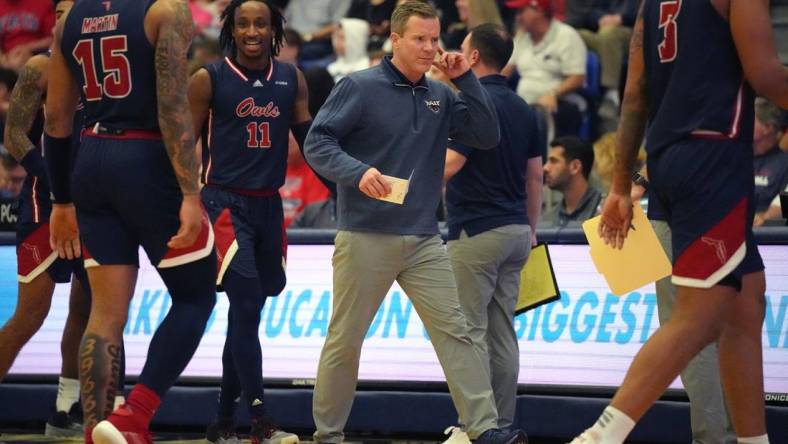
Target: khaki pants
(708,414)
(365,267)
(611,44)
(487,270)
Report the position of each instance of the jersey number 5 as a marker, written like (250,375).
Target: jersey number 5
(264,138)
(668,11)
(116,83)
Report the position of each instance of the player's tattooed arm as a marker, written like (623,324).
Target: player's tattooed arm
(634,112)
(23,106)
(175,120)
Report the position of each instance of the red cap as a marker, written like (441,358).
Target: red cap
(544,5)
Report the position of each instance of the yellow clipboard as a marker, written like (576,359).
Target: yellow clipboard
(641,261)
(537,280)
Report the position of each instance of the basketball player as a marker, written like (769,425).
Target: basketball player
(38,268)
(245,106)
(135,183)
(693,66)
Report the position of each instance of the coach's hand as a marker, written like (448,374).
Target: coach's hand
(191,216)
(453,64)
(63,231)
(616,219)
(374,185)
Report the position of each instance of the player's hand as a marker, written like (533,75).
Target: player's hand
(550,102)
(453,64)
(374,185)
(616,219)
(534,242)
(191,215)
(63,231)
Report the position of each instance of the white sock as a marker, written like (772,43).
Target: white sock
(763,439)
(119,399)
(613,426)
(67,394)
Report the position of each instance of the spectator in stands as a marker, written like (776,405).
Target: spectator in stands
(770,163)
(302,187)
(550,58)
(315,20)
(216,8)
(350,45)
(201,15)
(291,47)
(577,12)
(470,13)
(13,175)
(204,51)
(606,30)
(8,203)
(25,29)
(7,81)
(377,13)
(568,166)
(322,214)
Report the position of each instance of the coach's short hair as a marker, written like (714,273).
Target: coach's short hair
(493,43)
(401,14)
(576,148)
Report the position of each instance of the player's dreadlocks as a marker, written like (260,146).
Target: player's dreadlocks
(226,40)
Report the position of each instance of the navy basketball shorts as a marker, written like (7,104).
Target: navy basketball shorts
(250,236)
(34,256)
(704,188)
(127,196)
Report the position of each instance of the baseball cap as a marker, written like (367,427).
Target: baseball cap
(544,5)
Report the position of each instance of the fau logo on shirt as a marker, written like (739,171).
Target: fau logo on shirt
(247,108)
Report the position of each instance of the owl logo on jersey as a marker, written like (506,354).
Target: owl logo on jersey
(433,105)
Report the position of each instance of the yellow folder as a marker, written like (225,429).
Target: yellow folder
(641,261)
(537,280)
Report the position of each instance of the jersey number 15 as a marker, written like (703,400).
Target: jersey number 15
(116,81)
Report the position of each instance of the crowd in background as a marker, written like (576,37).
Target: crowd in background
(569,63)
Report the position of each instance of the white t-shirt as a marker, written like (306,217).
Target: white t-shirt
(542,67)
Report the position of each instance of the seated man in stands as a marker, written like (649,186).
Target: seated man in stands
(550,57)
(12,176)
(568,166)
(314,20)
(606,30)
(770,163)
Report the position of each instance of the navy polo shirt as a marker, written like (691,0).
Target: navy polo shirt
(489,191)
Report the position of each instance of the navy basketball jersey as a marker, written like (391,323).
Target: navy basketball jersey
(695,79)
(248,126)
(106,48)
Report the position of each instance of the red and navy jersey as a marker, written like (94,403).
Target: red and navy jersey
(106,48)
(245,137)
(695,79)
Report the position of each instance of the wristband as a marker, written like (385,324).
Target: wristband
(57,157)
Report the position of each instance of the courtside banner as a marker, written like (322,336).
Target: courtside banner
(587,338)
